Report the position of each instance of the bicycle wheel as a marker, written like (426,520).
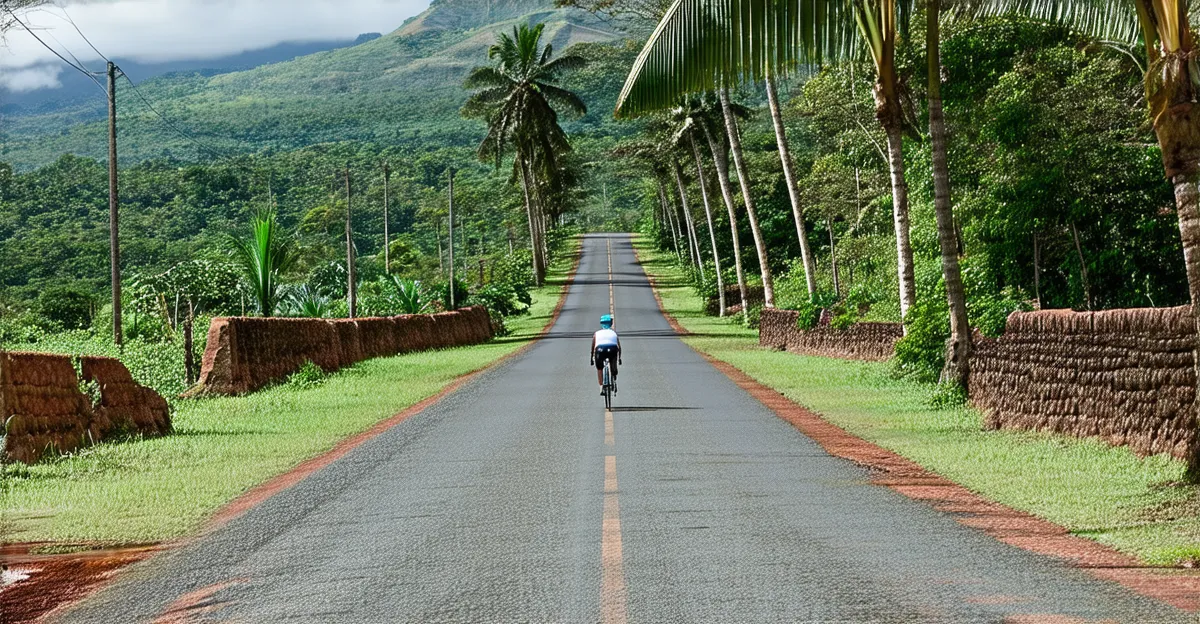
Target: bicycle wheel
(607,385)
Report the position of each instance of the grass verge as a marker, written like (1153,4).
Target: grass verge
(1136,505)
(144,491)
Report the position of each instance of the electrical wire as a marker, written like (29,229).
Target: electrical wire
(77,68)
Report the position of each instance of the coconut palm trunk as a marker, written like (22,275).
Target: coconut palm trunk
(722,164)
(888,111)
(668,221)
(789,174)
(526,182)
(687,216)
(735,146)
(712,232)
(958,350)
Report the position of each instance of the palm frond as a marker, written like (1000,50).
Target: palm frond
(1104,20)
(703,45)
(563,98)
(487,77)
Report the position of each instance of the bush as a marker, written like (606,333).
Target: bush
(502,300)
(922,352)
(752,316)
(461,294)
(66,307)
(309,376)
(305,302)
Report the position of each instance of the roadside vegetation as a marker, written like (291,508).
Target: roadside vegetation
(141,491)
(1138,506)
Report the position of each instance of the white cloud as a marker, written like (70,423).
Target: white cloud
(151,31)
(31,79)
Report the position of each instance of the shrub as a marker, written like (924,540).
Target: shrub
(461,294)
(501,299)
(66,307)
(921,353)
(309,376)
(306,302)
(752,316)
(409,297)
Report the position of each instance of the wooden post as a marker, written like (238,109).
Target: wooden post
(387,250)
(114,205)
(351,274)
(451,192)
(189,357)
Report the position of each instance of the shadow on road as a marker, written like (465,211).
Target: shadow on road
(650,409)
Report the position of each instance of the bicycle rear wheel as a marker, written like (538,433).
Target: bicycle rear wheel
(607,386)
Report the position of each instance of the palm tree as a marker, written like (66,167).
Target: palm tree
(694,244)
(703,45)
(739,162)
(956,368)
(789,175)
(721,163)
(264,257)
(1172,87)
(517,97)
(687,118)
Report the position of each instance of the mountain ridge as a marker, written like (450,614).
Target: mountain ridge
(401,88)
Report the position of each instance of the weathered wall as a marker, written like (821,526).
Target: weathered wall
(44,410)
(862,341)
(1126,376)
(245,354)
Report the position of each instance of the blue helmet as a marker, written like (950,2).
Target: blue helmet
(606,321)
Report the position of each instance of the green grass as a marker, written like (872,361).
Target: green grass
(152,490)
(1107,494)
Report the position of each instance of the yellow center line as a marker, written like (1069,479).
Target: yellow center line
(612,306)
(613,594)
(608,427)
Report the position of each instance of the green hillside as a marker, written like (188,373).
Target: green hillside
(401,89)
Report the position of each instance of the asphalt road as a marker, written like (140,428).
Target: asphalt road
(517,499)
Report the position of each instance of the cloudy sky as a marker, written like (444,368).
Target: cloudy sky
(155,31)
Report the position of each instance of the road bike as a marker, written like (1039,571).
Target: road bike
(609,386)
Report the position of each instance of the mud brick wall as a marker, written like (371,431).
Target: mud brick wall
(1125,376)
(874,342)
(43,409)
(245,354)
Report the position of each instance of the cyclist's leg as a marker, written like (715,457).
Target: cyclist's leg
(599,357)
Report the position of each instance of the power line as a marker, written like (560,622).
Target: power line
(83,36)
(78,68)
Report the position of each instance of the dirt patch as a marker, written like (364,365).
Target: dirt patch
(43,583)
(56,581)
(1175,586)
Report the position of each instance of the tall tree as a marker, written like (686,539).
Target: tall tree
(703,45)
(517,96)
(958,351)
(739,162)
(789,175)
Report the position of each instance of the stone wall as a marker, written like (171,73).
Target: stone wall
(44,411)
(1125,376)
(874,342)
(245,354)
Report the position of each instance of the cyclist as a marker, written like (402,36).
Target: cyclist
(606,345)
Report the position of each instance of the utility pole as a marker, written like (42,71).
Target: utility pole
(387,251)
(351,274)
(451,238)
(114,204)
